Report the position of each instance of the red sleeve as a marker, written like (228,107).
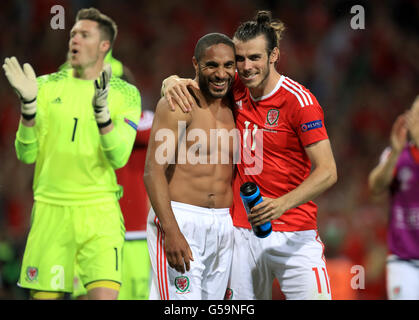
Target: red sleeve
(144,129)
(308,122)
(141,140)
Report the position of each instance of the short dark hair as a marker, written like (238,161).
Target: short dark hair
(107,26)
(262,24)
(209,40)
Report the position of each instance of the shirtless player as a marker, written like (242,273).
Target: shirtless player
(189,185)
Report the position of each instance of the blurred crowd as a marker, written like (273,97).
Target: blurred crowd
(362,78)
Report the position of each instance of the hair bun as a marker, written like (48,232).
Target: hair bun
(263,17)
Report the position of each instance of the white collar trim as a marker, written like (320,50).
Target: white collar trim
(278,85)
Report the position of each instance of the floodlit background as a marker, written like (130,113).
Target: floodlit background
(362,78)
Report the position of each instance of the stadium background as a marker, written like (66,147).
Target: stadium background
(362,78)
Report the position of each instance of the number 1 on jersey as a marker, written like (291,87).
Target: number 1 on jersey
(74,130)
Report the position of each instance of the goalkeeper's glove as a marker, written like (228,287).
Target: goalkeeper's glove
(24,83)
(100,103)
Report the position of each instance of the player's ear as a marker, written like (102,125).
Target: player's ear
(104,46)
(195,65)
(274,56)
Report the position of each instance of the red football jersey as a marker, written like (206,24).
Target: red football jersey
(274,130)
(134,203)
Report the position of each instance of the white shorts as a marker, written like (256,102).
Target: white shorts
(295,258)
(402,279)
(209,233)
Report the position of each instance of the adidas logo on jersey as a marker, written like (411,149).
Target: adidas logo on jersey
(57,100)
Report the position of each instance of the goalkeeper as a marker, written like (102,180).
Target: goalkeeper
(74,127)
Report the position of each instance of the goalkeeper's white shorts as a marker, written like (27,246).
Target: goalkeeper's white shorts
(209,233)
(296,259)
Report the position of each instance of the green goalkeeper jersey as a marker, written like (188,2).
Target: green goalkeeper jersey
(74,164)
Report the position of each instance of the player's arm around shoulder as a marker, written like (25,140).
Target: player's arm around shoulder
(125,110)
(176,90)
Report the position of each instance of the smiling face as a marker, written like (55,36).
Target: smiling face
(254,65)
(86,45)
(215,70)
(252,61)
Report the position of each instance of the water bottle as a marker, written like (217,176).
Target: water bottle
(250,194)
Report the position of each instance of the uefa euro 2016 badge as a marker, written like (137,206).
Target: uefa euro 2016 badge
(272,118)
(182,284)
(316,124)
(32,274)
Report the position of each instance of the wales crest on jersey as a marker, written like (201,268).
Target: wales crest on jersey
(182,284)
(272,118)
(32,273)
(229,294)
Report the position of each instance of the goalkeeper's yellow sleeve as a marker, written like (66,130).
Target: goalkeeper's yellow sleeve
(26,144)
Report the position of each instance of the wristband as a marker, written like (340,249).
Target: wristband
(105,124)
(27,101)
(28,116)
